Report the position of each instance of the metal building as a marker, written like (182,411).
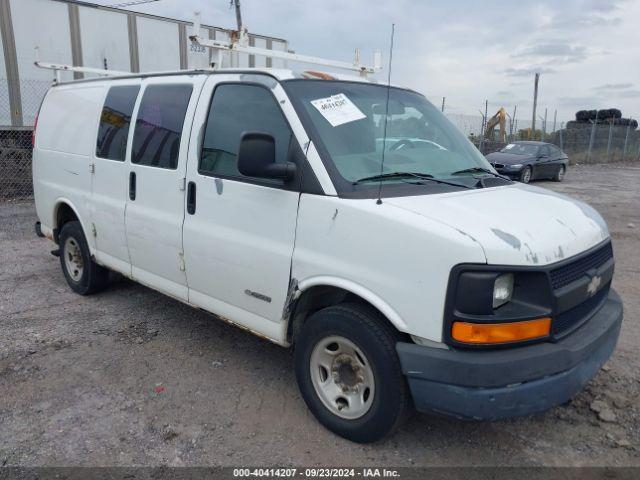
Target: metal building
(84,34)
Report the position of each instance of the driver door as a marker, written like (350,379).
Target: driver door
(239,231)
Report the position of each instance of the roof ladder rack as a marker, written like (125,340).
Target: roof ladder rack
(59,67)
(240,43)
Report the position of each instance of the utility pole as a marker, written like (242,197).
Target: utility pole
(535,105)
(236,3)
(443,100)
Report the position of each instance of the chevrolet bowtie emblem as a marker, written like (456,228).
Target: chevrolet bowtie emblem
(594,284)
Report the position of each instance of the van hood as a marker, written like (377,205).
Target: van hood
(516,224)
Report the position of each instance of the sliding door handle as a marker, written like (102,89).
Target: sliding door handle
(191,198)
(132,186)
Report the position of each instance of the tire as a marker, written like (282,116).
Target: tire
(83,275)
(367,353)
(525,175)
(582,116)
(559,176)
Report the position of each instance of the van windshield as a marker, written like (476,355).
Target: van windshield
(346,122)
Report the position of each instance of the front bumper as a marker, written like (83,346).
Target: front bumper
(510,172)
(496,384)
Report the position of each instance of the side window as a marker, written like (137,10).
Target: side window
(236,109)
(115,121)
(156,138)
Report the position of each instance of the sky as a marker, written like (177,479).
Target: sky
(587,51)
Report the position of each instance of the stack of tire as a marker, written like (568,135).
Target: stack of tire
(602,117)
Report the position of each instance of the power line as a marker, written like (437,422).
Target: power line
(131,4)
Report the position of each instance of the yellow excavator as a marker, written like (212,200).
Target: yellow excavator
(500,118)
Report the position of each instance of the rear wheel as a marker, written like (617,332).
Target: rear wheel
(559,176)
(349,373)
(83,275)
(525,175)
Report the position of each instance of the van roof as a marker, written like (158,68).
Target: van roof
(277,73)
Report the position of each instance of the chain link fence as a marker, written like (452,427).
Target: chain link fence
(588,139)
(15,142)
(15,164)
(583,143)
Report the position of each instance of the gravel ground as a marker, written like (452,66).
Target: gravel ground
(132,377)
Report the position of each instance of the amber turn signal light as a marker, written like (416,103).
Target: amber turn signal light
(496,333)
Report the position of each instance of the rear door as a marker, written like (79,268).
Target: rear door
(544,163)
(109,180)
(239,231)
(155,203)
(557,159)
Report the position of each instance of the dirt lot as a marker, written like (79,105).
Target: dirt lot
(131,377)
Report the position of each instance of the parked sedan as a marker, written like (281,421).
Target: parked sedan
(526,161)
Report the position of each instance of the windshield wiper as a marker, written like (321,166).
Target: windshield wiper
(480,170)
(420,176)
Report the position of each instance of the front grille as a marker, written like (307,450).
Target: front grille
(566,274)
(572,318)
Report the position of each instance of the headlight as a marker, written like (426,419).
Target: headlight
(502,289)
(490,305)
(515,165)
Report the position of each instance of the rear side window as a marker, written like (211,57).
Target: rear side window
(115,121)
(156,138)
(236,109)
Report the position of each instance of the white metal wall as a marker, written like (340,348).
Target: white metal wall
(5,103)
(197,56)
(223,36)
(259,61)
(49,31)
(158,45)
(282,47)
(104,35)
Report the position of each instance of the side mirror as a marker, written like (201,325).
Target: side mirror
(257,157)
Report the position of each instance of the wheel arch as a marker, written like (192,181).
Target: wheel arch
(64,211)
(316,293)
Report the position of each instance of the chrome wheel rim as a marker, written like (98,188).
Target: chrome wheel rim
(342,377)
(73,260)
(526,176)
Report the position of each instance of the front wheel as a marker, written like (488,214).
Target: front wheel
(349,373)
(525,175)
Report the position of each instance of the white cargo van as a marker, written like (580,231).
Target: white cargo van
(371,236)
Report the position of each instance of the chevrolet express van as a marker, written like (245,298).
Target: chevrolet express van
(365,232)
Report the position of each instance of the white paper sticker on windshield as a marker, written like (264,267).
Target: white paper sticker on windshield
(338,109)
